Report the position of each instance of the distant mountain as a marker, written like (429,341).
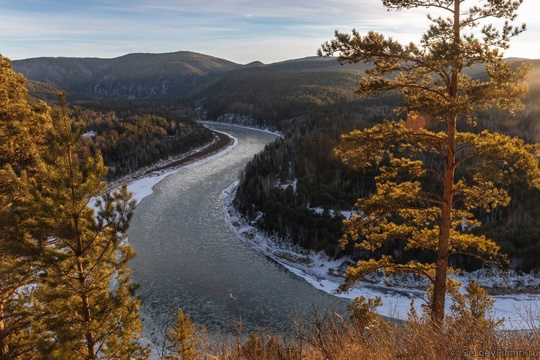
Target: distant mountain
(132,76)
(170,75)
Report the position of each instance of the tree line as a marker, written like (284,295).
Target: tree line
(130,140)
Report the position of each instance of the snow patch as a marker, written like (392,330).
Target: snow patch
(90,133)
(346,214)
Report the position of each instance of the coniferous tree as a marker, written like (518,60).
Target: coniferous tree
(22,134)
(438,94)
(182,338)
(87,303)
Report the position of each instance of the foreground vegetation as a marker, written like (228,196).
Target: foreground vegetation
(469,332)
(65,288)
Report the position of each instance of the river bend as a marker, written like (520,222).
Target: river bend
(188,258)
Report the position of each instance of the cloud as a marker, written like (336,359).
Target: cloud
(238,30)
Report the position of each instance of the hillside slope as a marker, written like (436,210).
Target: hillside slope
(132,76)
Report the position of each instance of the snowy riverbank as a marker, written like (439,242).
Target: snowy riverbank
(141,182)
(265,130)
(161,169)
(520,310)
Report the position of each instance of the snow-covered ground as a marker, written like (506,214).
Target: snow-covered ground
(520,310)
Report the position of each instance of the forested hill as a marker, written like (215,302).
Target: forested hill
(131,76)
(187,76)
(274,94)
(130,140)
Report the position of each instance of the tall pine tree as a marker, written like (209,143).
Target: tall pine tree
(23,126)
(87,302)
(420,198)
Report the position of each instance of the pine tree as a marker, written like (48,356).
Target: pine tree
(182,338)
(22,134)
(87,303)
(422,198)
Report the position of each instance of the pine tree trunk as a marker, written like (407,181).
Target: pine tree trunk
(86,311)
(87,315)
(441,266)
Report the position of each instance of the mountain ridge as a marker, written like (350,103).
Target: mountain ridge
(189,75)
(149,75)
(132,76)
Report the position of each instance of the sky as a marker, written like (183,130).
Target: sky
(237,30)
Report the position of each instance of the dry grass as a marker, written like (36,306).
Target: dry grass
(468,333)
(330,337)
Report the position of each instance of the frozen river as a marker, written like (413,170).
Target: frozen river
(188,258)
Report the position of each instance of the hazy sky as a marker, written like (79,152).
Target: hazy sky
(238,30)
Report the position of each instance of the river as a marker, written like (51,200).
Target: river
(188,258)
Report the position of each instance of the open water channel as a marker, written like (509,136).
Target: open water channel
(188,258)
